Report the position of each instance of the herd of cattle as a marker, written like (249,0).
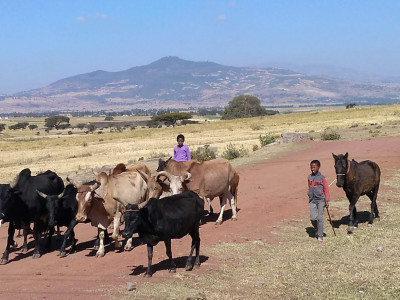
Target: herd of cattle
(166,206)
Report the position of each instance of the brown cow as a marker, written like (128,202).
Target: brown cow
(213,178)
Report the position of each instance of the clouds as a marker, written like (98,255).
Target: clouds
(87,17)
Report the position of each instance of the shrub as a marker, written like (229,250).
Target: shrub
(330,135)
(231,152)
(266,139)
(202,155)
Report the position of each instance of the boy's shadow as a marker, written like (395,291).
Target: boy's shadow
(363,217)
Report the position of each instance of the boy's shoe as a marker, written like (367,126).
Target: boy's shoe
(320,239)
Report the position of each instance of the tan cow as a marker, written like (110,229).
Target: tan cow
(96,203)
(213,178)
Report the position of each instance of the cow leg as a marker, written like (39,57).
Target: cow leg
(117,220)
(100,252)
(24,247)
(195,245)
(10,240)
(172,266)
(149,260)
(68,233)
(233,206)
(49,236)
(210,209)
(58,237)
(36,237)
(222,201)
(128,245)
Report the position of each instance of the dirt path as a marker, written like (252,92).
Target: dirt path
(269,193)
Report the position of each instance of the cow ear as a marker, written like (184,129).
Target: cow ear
(346,156)
(335,157)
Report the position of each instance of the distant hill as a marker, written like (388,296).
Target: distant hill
(171,82)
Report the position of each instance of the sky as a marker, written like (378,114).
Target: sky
(42,41)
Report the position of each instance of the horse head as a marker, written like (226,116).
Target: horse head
(342,166)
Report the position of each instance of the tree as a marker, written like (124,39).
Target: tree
(171,118)
(56,121)
(243,106)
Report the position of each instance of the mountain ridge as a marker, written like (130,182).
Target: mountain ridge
(172,82)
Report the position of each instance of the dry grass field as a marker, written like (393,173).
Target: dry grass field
(67,153)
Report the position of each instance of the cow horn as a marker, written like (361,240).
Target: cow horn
(43,195)
(163,173)
(14,182)
(143,174)
(75,184)
(62,194)
(143,204)
(95,186)
(188,176)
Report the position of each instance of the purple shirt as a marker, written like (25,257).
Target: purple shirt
(182,153)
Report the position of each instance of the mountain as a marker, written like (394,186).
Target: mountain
(171,82)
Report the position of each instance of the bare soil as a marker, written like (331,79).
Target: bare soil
(271,193)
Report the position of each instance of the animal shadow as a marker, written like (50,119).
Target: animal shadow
(164,265)
(363,217)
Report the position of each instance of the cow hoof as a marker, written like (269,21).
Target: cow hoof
(15,244)
(24,249)
(99,254)
(189,267)
(218,222)
(62,254)
(95,248)
(128,248)
(377,218)
(369,224)
(35,255)
(147,275)
(3,261)
(234,218)
(172,270)
(118,244)
(350,229)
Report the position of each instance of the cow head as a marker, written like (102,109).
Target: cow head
(52,205)
(85,195)
(162,165)
(132,220)
(342,165)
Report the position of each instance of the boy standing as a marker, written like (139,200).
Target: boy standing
(181,151)
(318,196)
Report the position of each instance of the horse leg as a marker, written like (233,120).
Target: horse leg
(374,206)
(352,213)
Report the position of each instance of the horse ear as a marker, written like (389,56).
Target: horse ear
(346,156)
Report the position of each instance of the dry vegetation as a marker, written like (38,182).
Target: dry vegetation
(77,152)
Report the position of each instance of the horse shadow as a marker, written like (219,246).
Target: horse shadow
(363,217)
(164,265)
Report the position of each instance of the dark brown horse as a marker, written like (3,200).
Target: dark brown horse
(358,179)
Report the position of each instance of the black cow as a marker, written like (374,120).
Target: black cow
(22,205)
(164,219)
(65,208)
